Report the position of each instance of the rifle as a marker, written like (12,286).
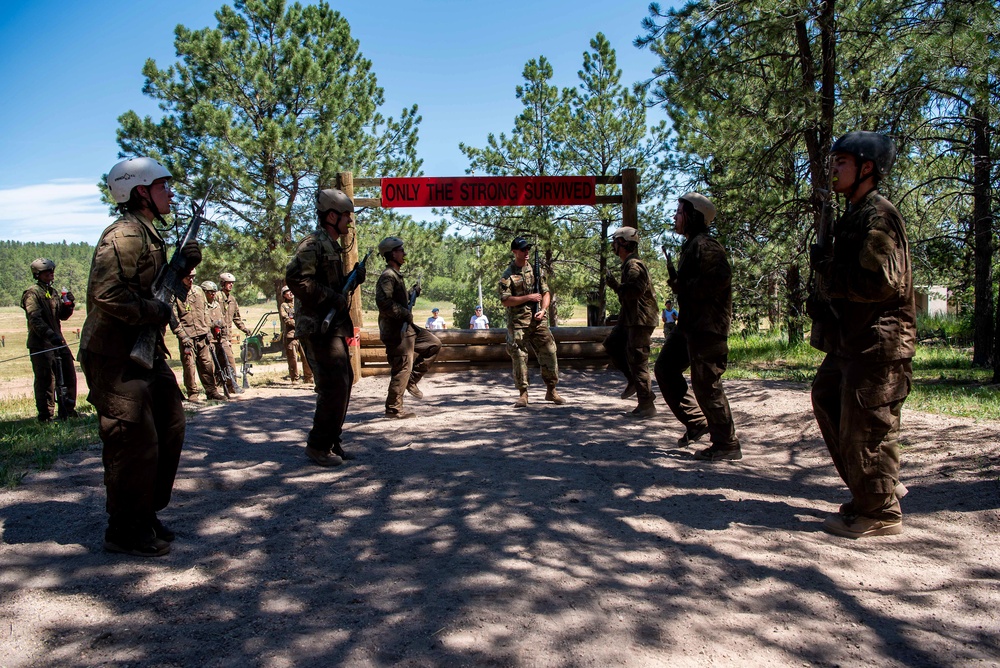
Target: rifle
(168,284)
(224,374)
(62,401)
(350,283)
(818,305)
(246,365)
(537,287)
(414,293)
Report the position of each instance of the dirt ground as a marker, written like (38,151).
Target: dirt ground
(479,535)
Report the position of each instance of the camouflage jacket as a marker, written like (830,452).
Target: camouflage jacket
(120,301)
(704,287)
(870,284)
(44,308)
(316,276)
(286,312)
(231,314)
(393,303)
(635,292)
(516,282)
(192,320)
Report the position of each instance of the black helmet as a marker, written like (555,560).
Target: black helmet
(520,243)
(868,146)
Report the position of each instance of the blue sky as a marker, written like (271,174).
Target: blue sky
(69,69)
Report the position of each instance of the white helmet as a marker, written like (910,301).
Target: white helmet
(133,172)
(626,234)
(701,204)
(226,277)
(332,199)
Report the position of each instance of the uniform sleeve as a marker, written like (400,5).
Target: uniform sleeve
(388,306)
(238,319)
(116,263)
(34,311)
(711,275)
(176,323)
(634,281)
(878,271)
(503,288)
(300,277)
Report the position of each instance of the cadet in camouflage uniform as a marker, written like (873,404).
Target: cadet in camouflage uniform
(523,329)
(316,277)
(230,317)
(286,311)
(410,353)
(629,342)
(225,375)
(703,287)
(191,329)
(44,308)
(141,418)
(864,319)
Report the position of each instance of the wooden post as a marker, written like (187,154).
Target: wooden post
(345,182)
(630,198)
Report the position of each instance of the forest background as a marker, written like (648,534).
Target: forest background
(277,98)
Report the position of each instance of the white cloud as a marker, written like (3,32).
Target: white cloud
(63,209)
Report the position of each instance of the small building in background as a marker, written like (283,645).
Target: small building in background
(934,300)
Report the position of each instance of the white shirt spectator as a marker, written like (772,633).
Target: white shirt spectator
(436,322)
(479,322)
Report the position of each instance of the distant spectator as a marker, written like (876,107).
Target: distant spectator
(479,321)
(436,321)
(669,318)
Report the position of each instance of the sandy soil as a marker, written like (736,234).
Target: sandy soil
(480,535)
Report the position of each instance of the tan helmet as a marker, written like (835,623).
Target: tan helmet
(332,199)
(701,204)
(209,286)
(133,172)
(626,234)
(285,290)
(40,265)
(389,244)
(226,277)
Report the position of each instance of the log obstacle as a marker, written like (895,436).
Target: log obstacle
(466,349)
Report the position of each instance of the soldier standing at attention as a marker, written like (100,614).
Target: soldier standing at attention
(141,417)
(410,352)
(230,316)
(316,277)
(286,311)
(191,329)
(703,287)
(524,328)
(44,308)
(867,315)
(629,342)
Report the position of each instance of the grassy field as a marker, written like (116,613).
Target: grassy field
(944,382)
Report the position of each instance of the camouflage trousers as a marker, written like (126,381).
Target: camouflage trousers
(292,351)
(197,363)
(857,406)
(331,365)
(628,346)
(705,403)
(409,360)
(44,367)
(227,349)
(539,338)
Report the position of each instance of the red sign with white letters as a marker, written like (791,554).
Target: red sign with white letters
(488,191)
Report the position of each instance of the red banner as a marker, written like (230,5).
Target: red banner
(488,191)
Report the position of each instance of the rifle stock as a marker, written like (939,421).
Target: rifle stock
(537,287)
(414,293)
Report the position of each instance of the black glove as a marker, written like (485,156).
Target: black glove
(819,256)
(192,254)
(187,342)
(362,273)
(416,289)
(69,299)
(163,312)
(55,340)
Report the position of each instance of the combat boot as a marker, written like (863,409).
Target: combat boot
(691,435)
(400,415)
(643,411)
(338,450)
(522,401)
(415,391)
(629,390)
(553,396)
(323,458)
(859,526)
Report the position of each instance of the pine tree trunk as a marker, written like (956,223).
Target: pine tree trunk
(983,231)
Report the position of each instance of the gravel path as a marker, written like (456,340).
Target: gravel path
(479,535)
